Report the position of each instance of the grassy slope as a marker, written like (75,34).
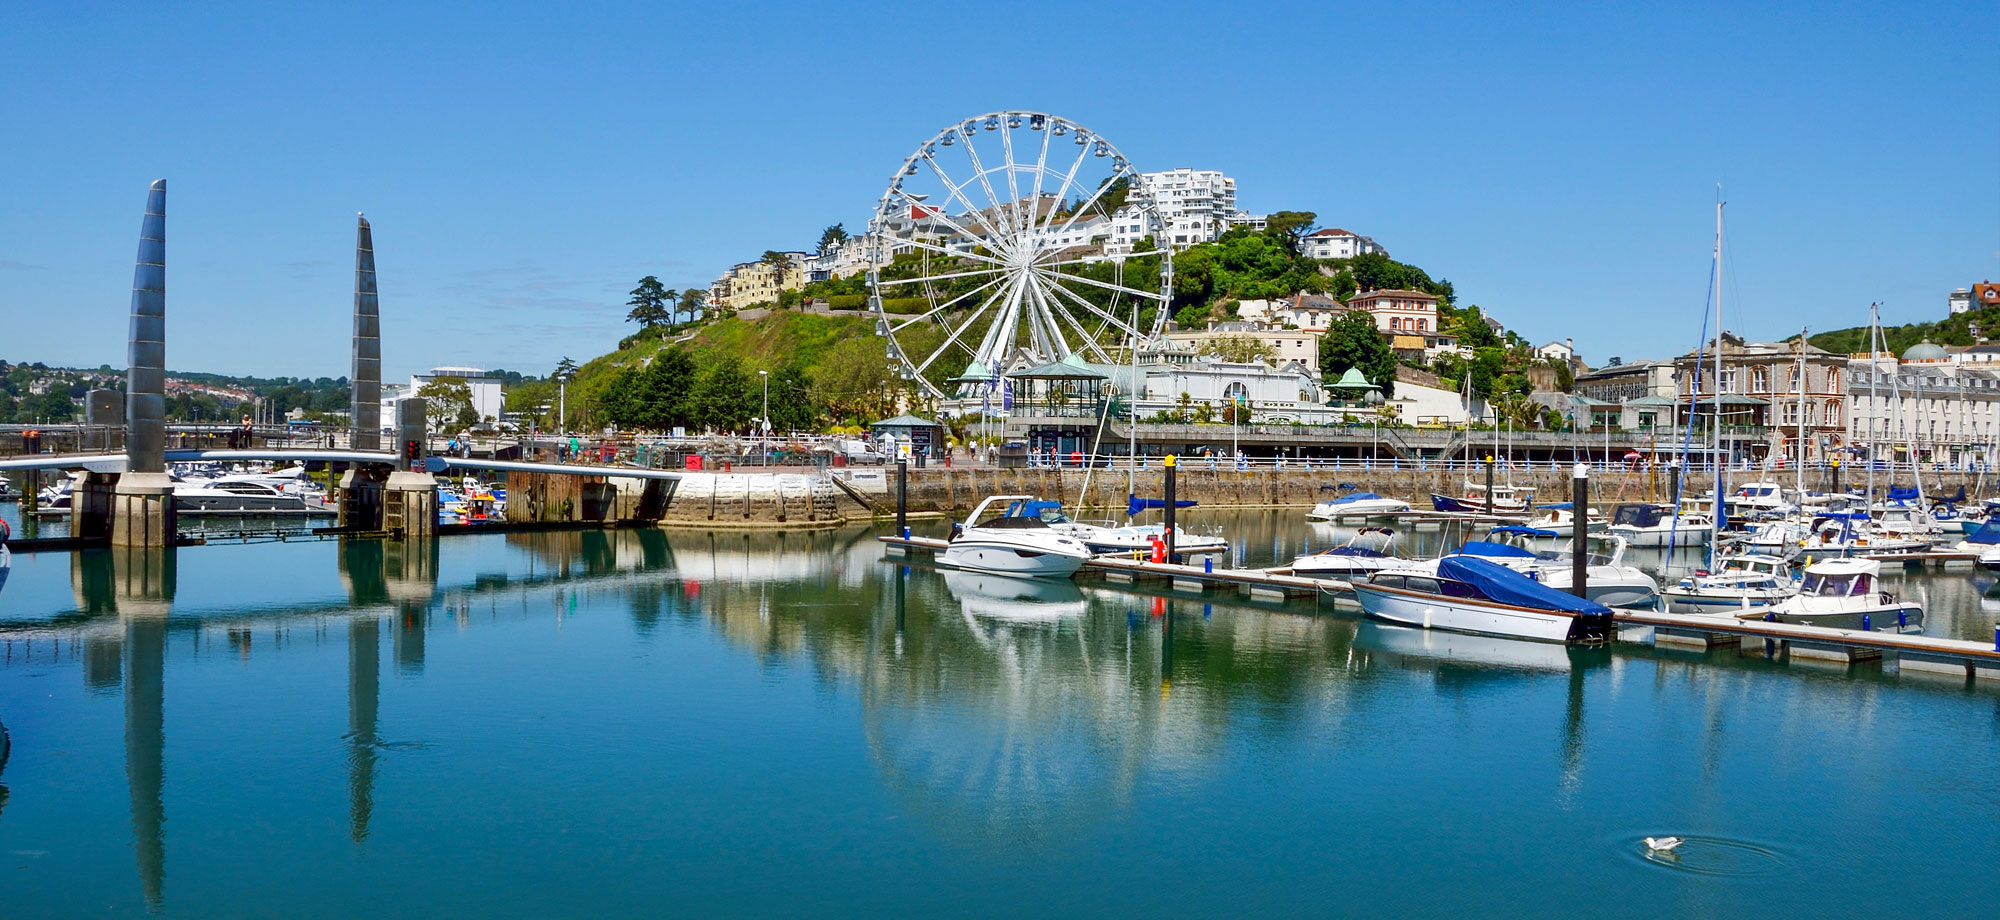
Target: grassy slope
(762,343)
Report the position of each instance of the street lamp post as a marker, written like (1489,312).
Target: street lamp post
(765,432)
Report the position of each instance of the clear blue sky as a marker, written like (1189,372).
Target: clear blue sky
(525,164)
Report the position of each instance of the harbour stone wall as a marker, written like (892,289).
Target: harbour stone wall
(801,500)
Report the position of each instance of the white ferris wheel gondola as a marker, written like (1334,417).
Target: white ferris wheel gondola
(1003,219)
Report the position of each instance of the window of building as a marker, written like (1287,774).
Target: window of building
(1760,380)
(1728,380)
(1833,380)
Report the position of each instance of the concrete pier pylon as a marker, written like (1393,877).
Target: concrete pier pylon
(143,501)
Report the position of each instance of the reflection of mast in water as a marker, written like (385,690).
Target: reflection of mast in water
(364,687)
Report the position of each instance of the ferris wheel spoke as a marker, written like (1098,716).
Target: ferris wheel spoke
(993,199)
(1103,187)
(1107,315)
(955,335)
(999,337)
(1013,182)
(956,193)
(1053,342)
(1069,179)
(1053,309)
(933,247)
(1093,282)
(975,273)
(944,306)
(1041,169)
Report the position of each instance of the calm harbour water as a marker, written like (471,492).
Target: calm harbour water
(648,723)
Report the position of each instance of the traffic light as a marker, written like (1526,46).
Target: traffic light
(413,451)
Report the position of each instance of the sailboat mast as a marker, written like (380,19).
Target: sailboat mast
(1715,538)
(1874,374)
(1799,468)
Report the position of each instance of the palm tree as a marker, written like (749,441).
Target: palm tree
(779,263)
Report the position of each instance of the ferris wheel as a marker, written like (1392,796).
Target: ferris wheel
(1014,237)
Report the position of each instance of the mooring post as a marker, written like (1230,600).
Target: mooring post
(1836,477)
(1489,485)
(1579,515)
(903,496)
(1171,464)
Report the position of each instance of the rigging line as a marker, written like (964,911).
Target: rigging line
(1694,401)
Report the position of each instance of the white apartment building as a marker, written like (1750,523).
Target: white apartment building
(1938,404)
(486,396)
(1335,243)
(1286,346)
(1959,301)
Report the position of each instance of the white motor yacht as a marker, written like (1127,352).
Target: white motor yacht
(1642,524)
(218,496)
(1751,580)
(1470,594)
(1000,535)
(1357,504)
(1371,550)
(1845,594)
(1545,556)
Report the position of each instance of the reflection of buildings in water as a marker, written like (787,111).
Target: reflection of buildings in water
(1021,728)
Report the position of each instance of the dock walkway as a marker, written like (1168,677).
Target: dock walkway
(1913,653)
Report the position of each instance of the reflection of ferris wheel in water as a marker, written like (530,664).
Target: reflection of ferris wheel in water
(1008,237)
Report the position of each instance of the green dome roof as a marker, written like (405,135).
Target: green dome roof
(1925,350)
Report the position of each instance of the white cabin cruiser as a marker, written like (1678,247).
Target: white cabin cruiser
(1845,594)
(1643,524)
(1853,535)
(1012,542)
(241,496)
(1357,504)
(1562,517)
(1470,594)
(1371,550)
(1758,499)
(1986,543)
(1544,555)
(1751,580)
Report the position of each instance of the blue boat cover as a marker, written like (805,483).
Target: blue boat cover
(1134,504)
(1484,548)
(1500,583)
(1988,533)
(1901,495)
(1564,506)
(1354,497)
(1527,531)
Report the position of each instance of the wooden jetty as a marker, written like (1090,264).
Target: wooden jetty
(1912,652)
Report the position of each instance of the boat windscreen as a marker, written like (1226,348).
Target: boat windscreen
(1497,550)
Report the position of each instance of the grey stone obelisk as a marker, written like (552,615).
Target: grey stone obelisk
(143,502)
(367,376)
(361,487)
